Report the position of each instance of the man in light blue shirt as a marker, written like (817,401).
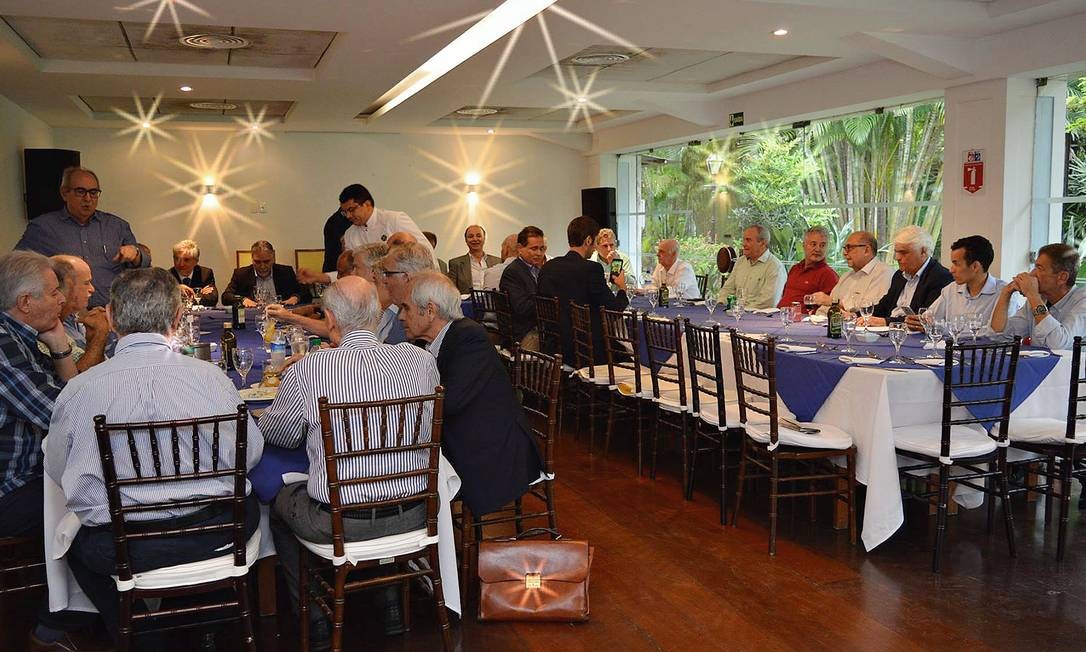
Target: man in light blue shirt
(974,290)
(1055,310)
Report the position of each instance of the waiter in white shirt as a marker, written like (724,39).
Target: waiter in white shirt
(368,225)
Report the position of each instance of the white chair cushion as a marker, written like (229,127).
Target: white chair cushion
(965,440)
(194,573)
(669,397)
(1043,430)
(599,372)
(709,414)
(827,437)
(390,546)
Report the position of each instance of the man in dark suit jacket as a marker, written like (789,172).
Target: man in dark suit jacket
(574,278)
(460,271)
(186,271)
(485,435)
(243,284)
(917,273)
(520,281)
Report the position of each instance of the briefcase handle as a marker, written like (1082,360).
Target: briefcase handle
(555,534)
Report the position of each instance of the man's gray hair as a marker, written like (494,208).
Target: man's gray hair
(66,177)
(354,304)
(21,273)
(144,301)
(409,258)
(370,254)
(820,230)
(63,268)
(436,288)
(916,238)
(262,245)
(763,232)
(187,247)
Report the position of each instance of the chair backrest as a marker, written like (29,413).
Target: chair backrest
(158,455)
(537,376)
(703,284)
(976,376)
(491,309)
(547,320)
(243,257)
(1075,395)
(706,366)
(581,322)
(309,259)
(622,340)
(756,376)
(369,434)
(663,342)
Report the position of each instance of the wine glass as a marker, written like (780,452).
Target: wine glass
(974,322)
(809,304)
(678,302)
(243,361)
(785,315)
(955,325)
(737,311)
(848,327)
(897,334)
(710,305)
(866,309)
(653,296)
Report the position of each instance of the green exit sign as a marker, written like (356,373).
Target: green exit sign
(735,119)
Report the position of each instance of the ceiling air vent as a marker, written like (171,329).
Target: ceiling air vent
(477,111)
(215,42)
(600,59)
(214,106)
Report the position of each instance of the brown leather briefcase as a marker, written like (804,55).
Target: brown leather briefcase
(535,580)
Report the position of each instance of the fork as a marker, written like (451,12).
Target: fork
(795,426)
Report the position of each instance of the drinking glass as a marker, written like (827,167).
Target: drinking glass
(974,322)
(866,308)
(678,302)
(897,334)
(243,361)
(956,325)
(737,311)
(710,305)
(848,327)
(785,315)
(653,296)
(809,304)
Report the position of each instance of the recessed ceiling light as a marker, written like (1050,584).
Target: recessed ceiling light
(145,124)
(582,100)
(186,89)
(780,31)
(215,41)
(503,19)
(489,131)
(600,59)
(214,106)
(477,111)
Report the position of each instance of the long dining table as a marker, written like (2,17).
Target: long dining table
(868,398)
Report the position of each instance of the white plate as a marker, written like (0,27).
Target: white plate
(258,393)
(851,359)
(817,319)
(796,348)
(932,362)
(1034,353)
(465,297)
(874,329)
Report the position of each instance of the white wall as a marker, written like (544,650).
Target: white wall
(298,176)
(18,129)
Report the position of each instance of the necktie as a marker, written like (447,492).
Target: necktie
(535,273)
(187,281)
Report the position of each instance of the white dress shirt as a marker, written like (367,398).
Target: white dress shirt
(359,369)
(1065,319)
(955,300)
(492,278)
(907,292)
(144,381)
(383,223)
(680,278)
(478,271)
(869,283)
(435,347)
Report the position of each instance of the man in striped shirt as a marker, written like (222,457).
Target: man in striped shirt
(357,368)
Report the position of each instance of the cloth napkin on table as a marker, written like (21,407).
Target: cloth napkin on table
(765,311)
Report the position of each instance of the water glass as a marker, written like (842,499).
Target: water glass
(956,325)
(243,362)
(785,315)
(897,334)
(974,322)
(866,309)
(653,297)
(848,327)
(737,311)
(710,305)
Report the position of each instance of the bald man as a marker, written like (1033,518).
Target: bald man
(87,330)
(677,274)
(492,278)
(400,238)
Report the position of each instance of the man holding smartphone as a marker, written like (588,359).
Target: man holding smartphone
(676,274)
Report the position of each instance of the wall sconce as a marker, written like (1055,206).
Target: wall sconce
(714,163)
(210,193)
(472,180)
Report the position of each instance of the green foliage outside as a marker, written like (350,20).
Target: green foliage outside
(1074,215)
(871,168)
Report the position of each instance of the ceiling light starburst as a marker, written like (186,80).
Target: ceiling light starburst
(163,6)
(254,128)
(145,124)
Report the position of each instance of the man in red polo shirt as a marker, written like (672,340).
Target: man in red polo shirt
(811,274)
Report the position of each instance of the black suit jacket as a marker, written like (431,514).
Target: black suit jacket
(931,283)
(334,228)
(518,282)
(201,277)
(572,278)
(243,284)
(485,433)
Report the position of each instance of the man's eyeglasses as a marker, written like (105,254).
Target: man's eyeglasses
(389,273)
(83,192)
(847,248)
(346,212)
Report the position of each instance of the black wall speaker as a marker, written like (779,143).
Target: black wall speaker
(42,169)
(599,204)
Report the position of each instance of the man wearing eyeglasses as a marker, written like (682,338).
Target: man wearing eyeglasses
(868,279)
(102,239)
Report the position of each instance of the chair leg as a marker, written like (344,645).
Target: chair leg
(465,549)
(338,600)
(940,517)
(610,422)
(739,484)
(989,481)
(1004,481)
(439,600)
(518,510)
(248,640)
(405,598)
(774,480)
(851,462)
(695,435)
(1066,469)
(723,477)
(303,599)
(655,440)
(552,513)
(640,440)
(685,445)
(124,637)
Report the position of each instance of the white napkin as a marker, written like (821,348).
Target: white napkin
(1034,353)
(817,319)
(765,311)
(795,348)
(64,534)
(856,359)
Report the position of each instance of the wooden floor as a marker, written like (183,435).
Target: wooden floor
(667,576)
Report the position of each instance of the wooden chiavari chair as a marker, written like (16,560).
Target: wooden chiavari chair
(491,309)
(663,342)
(622,339)
(588,376)
(703,284)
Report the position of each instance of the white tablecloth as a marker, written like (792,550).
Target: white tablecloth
(61,527)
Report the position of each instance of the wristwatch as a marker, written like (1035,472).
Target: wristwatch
(62,354)
(1041,309)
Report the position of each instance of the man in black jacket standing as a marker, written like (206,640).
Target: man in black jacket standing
(485,433)
(917,282)
(574,278)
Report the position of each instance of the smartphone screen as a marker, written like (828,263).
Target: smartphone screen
(616,266)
